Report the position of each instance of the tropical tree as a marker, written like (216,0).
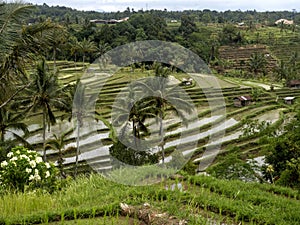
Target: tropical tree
(12,122)
(284,155)
(187,26)
(82,103)
(20,45)
(163,97)
(45,94)
(282,71)
(86,46)
(130,111)
(58,143)
(100,52)
(74,47)
(257,63)
(58,38)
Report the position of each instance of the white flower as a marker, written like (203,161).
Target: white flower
(31,177)
(39,160)
(36,172)
(18,152)
(47,174)
(10,154)
(37,177)
(47,165)
(14,158)
(24,157)
(32,163)
(28,170)
(3,164)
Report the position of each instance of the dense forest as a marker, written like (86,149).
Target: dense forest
(78,37)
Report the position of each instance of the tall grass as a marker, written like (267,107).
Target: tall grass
(204,200)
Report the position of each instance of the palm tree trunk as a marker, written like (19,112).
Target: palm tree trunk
(77,149)
(54,59)
(2,135)
(134,133)
(44,135)
(75,58)
(161,136)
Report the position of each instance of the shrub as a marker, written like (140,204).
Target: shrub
(25,168)
(131,156)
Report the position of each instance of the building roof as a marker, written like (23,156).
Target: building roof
(289,98)
(294,82)
(244,98)
(284,21)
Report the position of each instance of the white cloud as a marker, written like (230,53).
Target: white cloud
(220,5)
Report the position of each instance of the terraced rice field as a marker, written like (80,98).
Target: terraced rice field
(217,127)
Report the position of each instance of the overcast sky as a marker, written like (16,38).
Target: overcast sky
(220,5)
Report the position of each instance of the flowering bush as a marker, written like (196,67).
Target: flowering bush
(24,167)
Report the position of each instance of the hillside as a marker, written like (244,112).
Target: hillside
(203,200)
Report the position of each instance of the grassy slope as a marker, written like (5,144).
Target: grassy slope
(203,200)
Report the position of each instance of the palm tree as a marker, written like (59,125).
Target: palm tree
(9,27)
(131,110)
(257,62)
(20,45)
(45,94)
(74,47)
(101,50)
(82,103)
(282,70)
(58,143)
(86,46)
(12,122)
(164,97)
(58,38)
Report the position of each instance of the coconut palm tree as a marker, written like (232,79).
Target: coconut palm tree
(45,94)
(100,52)
(82,104)
(74,47)
(257,62)
(131,110)
(20,45)
(58,143)
(163,98)
(12,122)
(86,46)
(58,38)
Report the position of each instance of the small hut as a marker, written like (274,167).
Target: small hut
(293,84)
(289,100)
(241,101)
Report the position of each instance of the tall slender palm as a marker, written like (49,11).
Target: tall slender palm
(74,47)
(45,94)
(58,143)
(165,97)
(82,103)
(58,38)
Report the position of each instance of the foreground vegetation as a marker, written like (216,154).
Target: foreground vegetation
(204,199)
